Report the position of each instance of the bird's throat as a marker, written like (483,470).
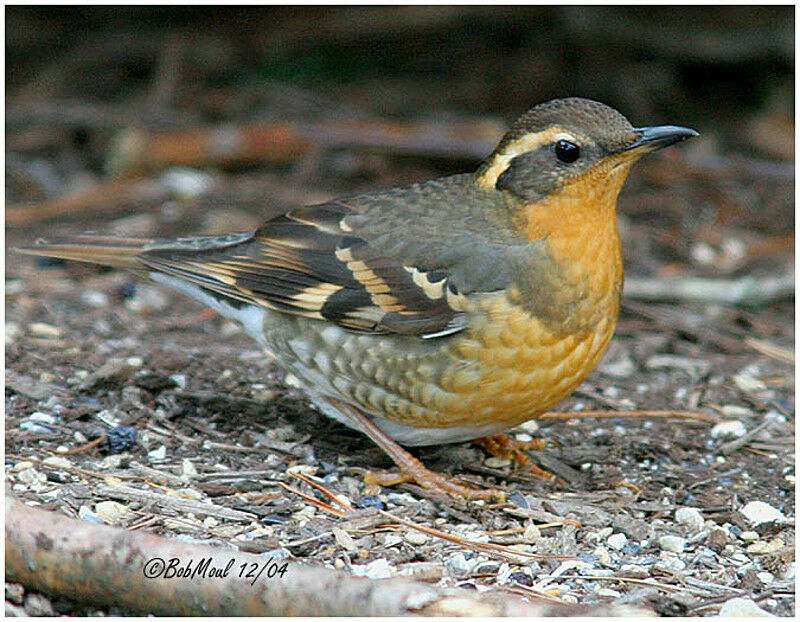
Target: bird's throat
(579,226)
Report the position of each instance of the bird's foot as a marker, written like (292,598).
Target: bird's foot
(506,447)
(418,474)
(411,469)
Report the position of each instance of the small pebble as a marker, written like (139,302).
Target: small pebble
(607,593)
(58,462)
(86,514)
(378,569)
(742,608)
(37,605)
(621,368)
(673,544)
(21,466)
(749,536)
(371,501)
(12,331)
(179,380)
(30,476)
(602,555)
(46,331)
(734,429)
(532,532)
(158,454)
(691,517)
(617,541)
(733,410)
(521,578)
(187,468)
(757,512)
(187,183)
(391,540)
(765,577)
(15,592)
(416,537)
(45,418)
(763,547)
(94,298)
(670,564)
(497,462)
(112,512)
(518,499)
(147,299)
(121,438)
(459,564)
(634,571)
(569,598)
(748,384)
(530,427)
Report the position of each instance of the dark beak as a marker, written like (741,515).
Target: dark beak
(659,136)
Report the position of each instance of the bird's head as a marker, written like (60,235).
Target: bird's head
(568,142)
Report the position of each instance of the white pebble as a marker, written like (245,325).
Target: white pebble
(732,410)
(733,429)
(617,541)
(634,571)
(765,577)
(670,564)
(757,512)
(416,537)
(392,539)
(30,476)
(674,544)
(158,454)
(749,536)
(378,569)
(40,417)
(762,547)
(12,331)
(742,608)
(58,462)
(86,514)
(111,512)
(47,331)
(21,466)
(608,593)
(690,517)
(94,298)
(748,384)
(187,468)
(459,564)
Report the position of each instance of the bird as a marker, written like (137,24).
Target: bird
(436,312)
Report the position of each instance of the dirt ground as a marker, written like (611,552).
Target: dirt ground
(664,513)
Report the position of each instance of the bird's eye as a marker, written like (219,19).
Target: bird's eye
(567,152)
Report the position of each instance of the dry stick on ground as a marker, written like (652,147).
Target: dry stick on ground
(745,291)
(104,566)
(110,196)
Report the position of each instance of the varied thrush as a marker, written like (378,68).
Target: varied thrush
(437,312)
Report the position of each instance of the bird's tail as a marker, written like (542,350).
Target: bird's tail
(112,251)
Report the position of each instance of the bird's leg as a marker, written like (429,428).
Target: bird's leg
(411,469)
(502,445)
